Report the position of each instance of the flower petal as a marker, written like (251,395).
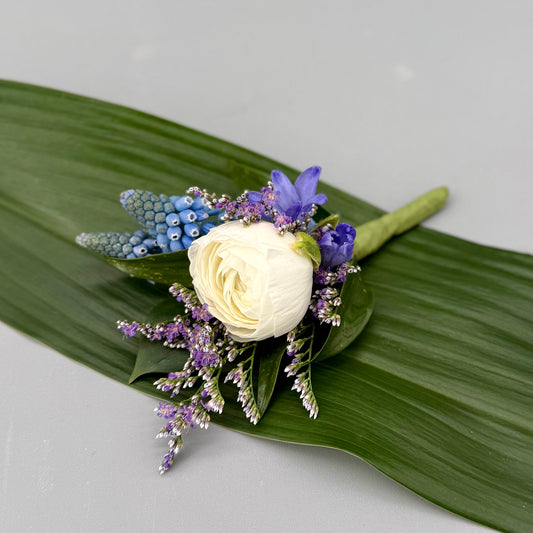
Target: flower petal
(255,196)
(344,253)
(327,248)
(294,210)
(306,184)
(287,193)
(318,199)
(346,232)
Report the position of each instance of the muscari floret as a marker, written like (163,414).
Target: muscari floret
(113,244)
(172,223)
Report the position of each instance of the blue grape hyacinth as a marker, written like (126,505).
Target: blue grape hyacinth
(171,223)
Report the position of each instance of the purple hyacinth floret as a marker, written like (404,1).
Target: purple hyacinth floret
(336,246)
(292,200)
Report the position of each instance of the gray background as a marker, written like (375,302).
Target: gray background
(391,98)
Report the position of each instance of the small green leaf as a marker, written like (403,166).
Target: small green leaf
(270,354)
(308,247)
(167,268)
(355,311)
(153,357)
(333,220)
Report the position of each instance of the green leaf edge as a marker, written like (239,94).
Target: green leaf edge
(168,268)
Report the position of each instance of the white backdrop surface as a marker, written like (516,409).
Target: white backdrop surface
(391,99)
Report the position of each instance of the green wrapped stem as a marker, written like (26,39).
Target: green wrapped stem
(372,235)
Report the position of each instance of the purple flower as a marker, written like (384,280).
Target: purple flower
(172,331)
(166,410)
(336,246)
(201,313)
(282,220)
(129,329)
(269,196)
(204,358)
(156,334)
(187,414)
(293,200)
(168,459)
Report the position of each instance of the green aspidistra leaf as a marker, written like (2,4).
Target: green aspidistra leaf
(436,393)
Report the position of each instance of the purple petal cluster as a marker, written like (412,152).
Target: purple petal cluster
(293,201)
(290,207)
(332,276)
(166,410)
(324,304)
(204,358)
(128,329)
(201,313)
(336,246)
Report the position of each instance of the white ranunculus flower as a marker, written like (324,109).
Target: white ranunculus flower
(251,279)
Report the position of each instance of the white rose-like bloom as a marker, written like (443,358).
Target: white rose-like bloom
(251,279)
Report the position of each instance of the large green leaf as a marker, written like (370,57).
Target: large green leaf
(436,391)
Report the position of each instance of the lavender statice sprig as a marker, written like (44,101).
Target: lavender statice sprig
(241,376)
(254,206)
(240,208)
(324,304)
(300,349)
(211,349)
(334,275)
(181,418)
(326,300)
